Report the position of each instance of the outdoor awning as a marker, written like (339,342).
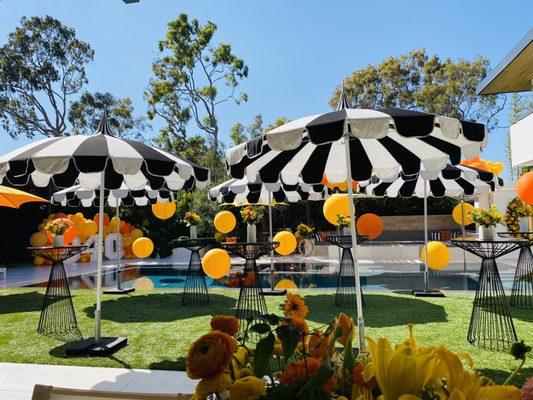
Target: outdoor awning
(514,73)
(522,142)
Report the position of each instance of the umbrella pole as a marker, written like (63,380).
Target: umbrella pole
(270,236)
(359,300)
(119,271)
(97,313)
(426,272)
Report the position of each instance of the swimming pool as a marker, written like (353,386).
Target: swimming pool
(305,275)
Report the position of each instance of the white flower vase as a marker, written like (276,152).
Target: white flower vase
(251,233)
(346,231)
(58,241)
(193,232)
(487,232)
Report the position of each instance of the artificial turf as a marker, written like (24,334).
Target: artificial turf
(159,329)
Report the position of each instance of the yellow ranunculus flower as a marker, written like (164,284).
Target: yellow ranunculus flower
(247,388)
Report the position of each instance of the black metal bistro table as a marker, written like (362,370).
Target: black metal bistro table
(491,325)
(195,291)
(345,294)
(522,292)
(251,301)
(58,318)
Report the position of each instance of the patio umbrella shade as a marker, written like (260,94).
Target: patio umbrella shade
(451,181)
(101,161)
(14,198)
(353,144)
(75,196)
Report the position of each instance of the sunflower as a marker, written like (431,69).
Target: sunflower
(225,323)
(247,388)
(210,355)
(295,306)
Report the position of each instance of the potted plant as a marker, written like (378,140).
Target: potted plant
(487,219)
(252,215)
(191,219)
(57,229)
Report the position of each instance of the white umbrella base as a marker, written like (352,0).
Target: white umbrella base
(88,347)
(428,293)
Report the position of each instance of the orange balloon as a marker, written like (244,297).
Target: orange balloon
(69,234)
(369,225)
(478,165)
(97,216)
(524,187)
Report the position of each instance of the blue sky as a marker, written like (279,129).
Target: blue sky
(297,51)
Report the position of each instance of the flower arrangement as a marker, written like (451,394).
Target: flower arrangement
(304,231)
(486,216)
(515,210)
(343,221)
(292,362)
(191,218)
(237,280)
(56,228)
(252,214)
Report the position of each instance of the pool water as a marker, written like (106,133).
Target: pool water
(305,276)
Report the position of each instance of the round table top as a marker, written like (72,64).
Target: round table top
(68,247)
(473,239)
(250,250)
(57,254)
(345,241)
(527,236)
(489,248)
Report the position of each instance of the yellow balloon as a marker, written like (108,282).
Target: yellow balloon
(143,247)
(287,243)
(439,255)
(338,204)
(225,221)
(136,234)
(216,263)
(79,215)
(38,239)
(114,224)
(457,213)
(164,210)
(38,261)
(286,284)
(143,283)
(89,228)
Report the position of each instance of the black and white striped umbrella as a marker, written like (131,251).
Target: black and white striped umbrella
(353,144)
(101,161)
(241,191)
(68,160)
(76,196)
(451,181)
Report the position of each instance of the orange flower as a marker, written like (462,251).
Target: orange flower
(300,323)
(295,306)
(358,377)
(210,355)
(318,345)
(301,370)
(346,325)
(226,324)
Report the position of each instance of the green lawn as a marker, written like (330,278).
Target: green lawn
(160,330)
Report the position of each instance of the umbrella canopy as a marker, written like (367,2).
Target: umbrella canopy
(67,160)
(101,161)
(384,142)
(451,181)
(353,144)
(242,191)
(14,198)
(75,196)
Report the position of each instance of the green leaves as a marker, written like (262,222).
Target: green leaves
(260,328)
(263,353)
(349,358)
(288,335)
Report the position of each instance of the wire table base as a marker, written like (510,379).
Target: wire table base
(195,292)
(58,318)
(251,302)
(345,294)
(491,325)
(522,292)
